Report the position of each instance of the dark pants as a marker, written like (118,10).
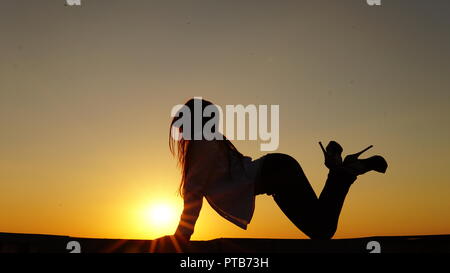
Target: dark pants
(282,177)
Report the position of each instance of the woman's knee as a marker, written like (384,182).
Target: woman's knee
(322,234)
(322,231)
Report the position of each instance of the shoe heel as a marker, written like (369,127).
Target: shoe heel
(360,153)
(323,149)
(354,157)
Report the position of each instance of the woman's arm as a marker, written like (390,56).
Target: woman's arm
(192,206)
(206,163)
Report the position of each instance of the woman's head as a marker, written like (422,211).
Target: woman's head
(188,121)
(187,126)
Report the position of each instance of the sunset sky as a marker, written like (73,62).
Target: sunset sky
(86,94)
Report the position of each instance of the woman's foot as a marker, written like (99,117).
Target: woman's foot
(352,164)
(332,154)
(360,166)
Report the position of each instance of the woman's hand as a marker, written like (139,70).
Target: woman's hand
(171,243)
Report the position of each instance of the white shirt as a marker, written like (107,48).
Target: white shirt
(224,178)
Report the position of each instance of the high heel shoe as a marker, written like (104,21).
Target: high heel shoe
(332,154)
(357,166)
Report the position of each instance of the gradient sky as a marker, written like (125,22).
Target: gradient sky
(86,94)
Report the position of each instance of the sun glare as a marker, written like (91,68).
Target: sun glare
(161,218)
(161,214)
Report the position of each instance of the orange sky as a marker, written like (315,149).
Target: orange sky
(86,94)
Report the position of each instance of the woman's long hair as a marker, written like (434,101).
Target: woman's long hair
(180,147)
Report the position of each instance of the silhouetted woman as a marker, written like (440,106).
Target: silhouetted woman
(229,181)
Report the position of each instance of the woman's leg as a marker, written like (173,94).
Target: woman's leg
(283,178)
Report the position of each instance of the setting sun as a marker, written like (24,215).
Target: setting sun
(161,214)
(161,218)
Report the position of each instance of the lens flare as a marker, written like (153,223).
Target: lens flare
(161,214)
(161,218)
